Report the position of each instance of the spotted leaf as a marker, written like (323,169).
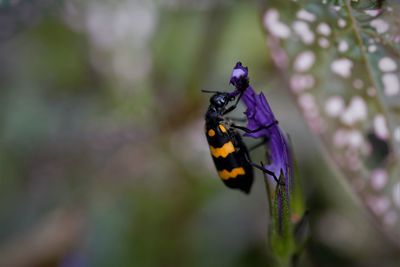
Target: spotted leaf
(341,61)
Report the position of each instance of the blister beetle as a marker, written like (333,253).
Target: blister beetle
(228,151)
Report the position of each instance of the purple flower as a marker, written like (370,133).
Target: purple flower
(259,114)
(260,118)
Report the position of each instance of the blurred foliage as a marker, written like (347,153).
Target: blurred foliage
(102,155)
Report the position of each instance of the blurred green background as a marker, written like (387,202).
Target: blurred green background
(103,160)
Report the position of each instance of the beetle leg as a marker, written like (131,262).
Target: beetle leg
(247,130)
(233,106)
(265,170)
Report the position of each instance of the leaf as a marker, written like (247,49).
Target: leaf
(281,229)
(340,59)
